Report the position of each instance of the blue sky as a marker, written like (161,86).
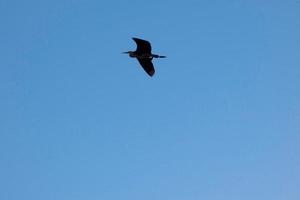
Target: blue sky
(219,120)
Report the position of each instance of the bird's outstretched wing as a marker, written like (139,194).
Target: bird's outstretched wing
(143,46)
(147,66)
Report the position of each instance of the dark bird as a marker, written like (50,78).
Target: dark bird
(143,55)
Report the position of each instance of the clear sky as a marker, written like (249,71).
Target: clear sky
(220,120)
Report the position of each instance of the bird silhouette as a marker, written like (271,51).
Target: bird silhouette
(144,56)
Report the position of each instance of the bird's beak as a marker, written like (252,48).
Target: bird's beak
(126,52)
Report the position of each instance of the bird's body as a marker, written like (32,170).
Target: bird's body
(144,55)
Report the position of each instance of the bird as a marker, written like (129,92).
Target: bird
(143,55)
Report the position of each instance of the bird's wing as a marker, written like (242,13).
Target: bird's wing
(147,66)
(143,46)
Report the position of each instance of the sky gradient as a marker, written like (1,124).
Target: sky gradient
(220,120)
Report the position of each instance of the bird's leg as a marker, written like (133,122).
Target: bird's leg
(157,56)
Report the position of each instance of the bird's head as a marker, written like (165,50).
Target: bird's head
(131,53)
(128,52)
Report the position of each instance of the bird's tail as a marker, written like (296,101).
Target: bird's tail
(158,56)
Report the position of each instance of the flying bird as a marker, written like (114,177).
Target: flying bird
(143,55)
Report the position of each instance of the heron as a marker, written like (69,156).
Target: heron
(143,55)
